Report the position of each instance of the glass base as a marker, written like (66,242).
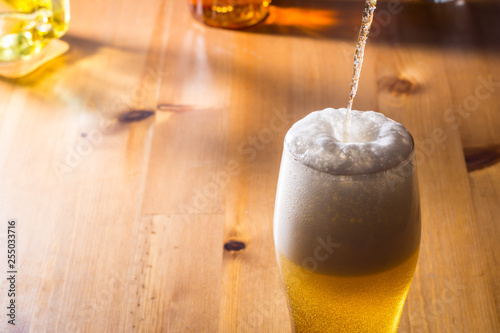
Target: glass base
(19,68)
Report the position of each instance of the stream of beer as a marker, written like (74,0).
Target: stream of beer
(358,62)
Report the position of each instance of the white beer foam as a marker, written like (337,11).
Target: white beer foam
(376,143)
(360,198)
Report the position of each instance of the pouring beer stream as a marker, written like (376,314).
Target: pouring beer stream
(358,62)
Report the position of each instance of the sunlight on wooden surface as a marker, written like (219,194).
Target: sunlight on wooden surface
(142,165)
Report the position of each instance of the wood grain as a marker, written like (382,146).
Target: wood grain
(142,165)
(485,186)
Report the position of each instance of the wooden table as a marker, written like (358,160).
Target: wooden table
(141,167)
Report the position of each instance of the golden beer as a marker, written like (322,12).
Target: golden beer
(347,222)
(331,303)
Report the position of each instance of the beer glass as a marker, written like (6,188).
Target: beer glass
(27,26)
(347,235)
(230,14)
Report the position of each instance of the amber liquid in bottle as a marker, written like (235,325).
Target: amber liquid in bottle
(229,14)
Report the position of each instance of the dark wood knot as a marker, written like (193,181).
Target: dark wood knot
(135,115)
(480,158)
(234,246)
(398,86)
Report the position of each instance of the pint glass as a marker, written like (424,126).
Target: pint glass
(347,224)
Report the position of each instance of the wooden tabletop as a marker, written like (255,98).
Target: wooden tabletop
(141,167)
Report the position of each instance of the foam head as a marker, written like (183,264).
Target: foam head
(361,195)
(376,142)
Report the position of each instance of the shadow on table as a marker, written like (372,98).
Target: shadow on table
(459,23)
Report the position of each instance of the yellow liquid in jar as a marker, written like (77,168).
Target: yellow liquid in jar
(229,14)
(26,26)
